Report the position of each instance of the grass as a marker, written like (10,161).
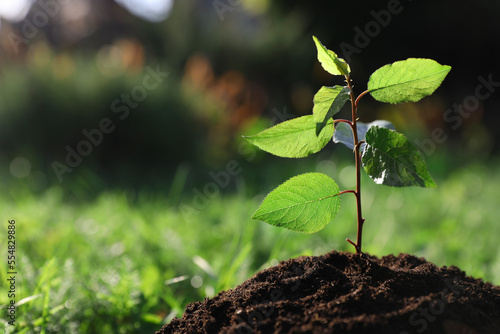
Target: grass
(128,262)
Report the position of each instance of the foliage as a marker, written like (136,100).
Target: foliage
(121,263)
(296,138)
(294,204)
(306,203)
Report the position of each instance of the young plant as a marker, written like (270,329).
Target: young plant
(307,202)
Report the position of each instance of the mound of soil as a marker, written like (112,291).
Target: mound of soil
(349,293)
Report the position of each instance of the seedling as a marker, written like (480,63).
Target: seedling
(307,202)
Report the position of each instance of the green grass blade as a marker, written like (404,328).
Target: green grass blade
(227,278)
(46,310)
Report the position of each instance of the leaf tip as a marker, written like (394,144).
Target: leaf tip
(248,139)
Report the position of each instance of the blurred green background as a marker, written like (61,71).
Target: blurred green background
(122,162)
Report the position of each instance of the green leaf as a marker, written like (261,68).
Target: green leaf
(390,159)
(343,132)
(328,101)
(407,80)
(330,61)
(305,203)
(295,138)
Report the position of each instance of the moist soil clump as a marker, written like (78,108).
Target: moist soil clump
(349,293)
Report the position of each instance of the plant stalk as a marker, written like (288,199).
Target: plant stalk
(357,145)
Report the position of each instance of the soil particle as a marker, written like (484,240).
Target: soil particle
(349,293)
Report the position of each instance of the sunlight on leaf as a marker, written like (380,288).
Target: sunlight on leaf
(330,61)
(305,203)
(327,102)
(295,138)
(407,81)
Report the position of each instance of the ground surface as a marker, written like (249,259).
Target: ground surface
(349,293)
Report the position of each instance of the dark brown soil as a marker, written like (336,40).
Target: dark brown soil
(349,293)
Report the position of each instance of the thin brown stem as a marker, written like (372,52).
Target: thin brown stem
(361,220)
(347,192)
(352,243)
(343,121)
(359,97)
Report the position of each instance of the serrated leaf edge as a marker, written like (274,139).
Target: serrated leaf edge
(447,69)
(255,217)
(433,183)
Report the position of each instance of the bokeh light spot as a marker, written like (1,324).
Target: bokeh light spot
(20,167)
(196,281)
